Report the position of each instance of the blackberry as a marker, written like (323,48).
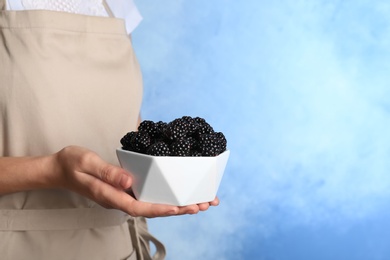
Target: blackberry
(209,145)
(181,147)
(222,142)
(127,141)
(187,118)
(191,125)
(160,127)
(193,143)
(149,127)
(203,127)
(176,129)
(141,142)
(200,120)
(158,149)
(195,153)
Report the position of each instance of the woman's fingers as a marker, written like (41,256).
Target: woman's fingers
(86,161)
(115,176)
(215,202)
(120,199)
(106,194)
(150,210)
(108,173)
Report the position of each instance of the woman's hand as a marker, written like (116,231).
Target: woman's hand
(84,172)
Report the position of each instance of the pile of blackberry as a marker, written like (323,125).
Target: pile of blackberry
(185,136)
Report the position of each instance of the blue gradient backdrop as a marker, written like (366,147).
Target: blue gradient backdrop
(301,90)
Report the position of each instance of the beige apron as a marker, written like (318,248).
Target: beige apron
(66,79)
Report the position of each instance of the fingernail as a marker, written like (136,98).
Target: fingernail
(125,182)
(172,212)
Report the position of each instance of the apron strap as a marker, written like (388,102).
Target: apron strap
(108,9)
(141,239)
(60,219)
(2,5)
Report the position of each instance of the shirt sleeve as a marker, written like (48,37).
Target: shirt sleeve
(14,5)
(127,10)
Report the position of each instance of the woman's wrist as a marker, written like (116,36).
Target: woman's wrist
(26,173)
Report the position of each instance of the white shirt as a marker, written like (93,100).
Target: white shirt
(125,9)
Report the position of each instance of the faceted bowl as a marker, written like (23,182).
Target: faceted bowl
(174,180)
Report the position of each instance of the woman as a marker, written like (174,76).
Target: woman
(70,88)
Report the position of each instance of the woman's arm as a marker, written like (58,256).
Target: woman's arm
(82,171)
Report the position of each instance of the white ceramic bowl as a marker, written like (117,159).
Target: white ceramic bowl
(174,180)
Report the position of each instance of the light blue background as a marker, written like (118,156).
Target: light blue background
(301,90)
